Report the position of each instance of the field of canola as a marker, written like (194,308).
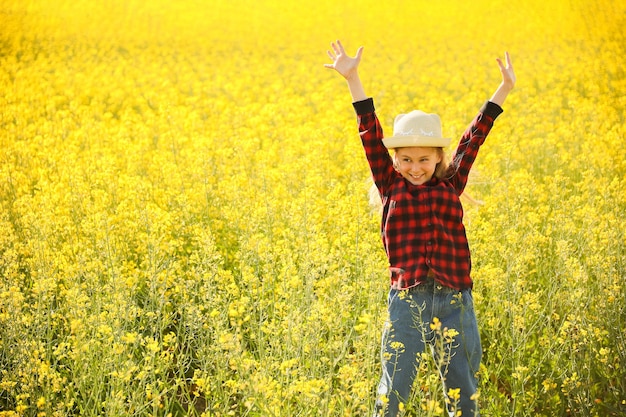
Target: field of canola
(184,222)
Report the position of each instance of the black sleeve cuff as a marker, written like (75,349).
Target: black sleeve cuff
(364,106)
(491,109)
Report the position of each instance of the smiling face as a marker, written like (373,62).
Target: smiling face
(417,164)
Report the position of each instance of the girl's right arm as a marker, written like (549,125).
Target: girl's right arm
(370,130)
(348,68)
(371,134)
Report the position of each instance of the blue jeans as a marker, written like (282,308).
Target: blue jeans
(412,326)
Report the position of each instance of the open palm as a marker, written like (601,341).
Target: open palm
(342,63)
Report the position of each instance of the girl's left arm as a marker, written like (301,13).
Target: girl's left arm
(475,135)
(508,81)
(471,140)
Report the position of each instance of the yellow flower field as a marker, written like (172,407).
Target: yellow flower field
(184,222)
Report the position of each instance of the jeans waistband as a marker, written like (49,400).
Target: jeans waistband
(430,285)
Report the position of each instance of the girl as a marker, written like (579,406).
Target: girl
(425,242)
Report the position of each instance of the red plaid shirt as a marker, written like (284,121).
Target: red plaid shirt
(422,225)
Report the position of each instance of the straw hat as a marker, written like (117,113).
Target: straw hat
(416,129)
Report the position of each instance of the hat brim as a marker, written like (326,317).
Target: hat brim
(407,141)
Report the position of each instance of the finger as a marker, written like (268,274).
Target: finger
(500,64)
(331,55)
(341,50)
(509,63)
(358,53)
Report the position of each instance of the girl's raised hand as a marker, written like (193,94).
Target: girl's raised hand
(508,75)
(508,81)
(345,65)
